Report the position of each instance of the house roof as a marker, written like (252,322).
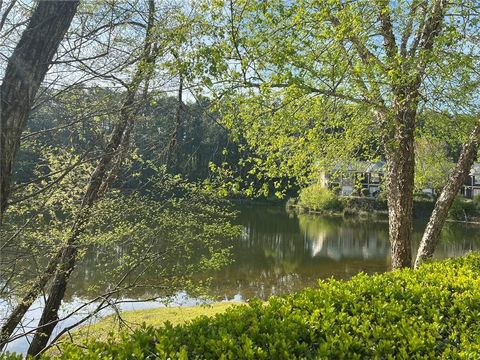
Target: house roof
(361,166)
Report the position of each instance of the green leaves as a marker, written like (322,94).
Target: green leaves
(162,237)
(318,198)
(303,83)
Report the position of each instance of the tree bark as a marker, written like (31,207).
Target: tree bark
(400,185)
(16,316)
(103,174)
(176,139)
(431,236)
(100,175)
(25,72)
(399,139)
(97,186)
(50,318)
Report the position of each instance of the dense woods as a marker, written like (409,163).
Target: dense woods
(201,139)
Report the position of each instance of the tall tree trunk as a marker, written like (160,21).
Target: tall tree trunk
(25,71)
(103,174)
(439,215)
(400,185)
(99,177)
(405,84)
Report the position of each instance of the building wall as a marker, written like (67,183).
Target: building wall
(354,184)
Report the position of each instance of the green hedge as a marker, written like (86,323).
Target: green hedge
(430,313)
(318,198)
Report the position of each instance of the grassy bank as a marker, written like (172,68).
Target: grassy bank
(111,326)
(429,313)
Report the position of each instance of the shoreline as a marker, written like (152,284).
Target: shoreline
(371,214)
(111,326)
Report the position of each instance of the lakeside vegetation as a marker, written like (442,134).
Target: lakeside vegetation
(318,199)
(110,327)
(430,313)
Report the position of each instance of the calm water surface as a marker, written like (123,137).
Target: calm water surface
(279,253)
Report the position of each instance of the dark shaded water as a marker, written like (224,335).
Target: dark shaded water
(280,252)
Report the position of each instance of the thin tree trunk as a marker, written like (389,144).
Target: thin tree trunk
(178,116)
(25,71)
(121,155)
(96,187)
(439,215)
(93,190)
(16,316)
(176,139)
(400,185)
(99,181)
(50,318)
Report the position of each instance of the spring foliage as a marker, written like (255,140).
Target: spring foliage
(162,236)
(318,198)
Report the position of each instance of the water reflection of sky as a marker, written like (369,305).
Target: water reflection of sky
(346,245)
(20,345)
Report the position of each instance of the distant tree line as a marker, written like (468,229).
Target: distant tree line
(187,147)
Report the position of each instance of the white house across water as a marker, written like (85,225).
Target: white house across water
(362,178)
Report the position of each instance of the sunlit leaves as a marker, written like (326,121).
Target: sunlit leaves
(303,82)
(162,237)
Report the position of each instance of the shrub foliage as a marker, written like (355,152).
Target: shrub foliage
(318,198)
(432,312)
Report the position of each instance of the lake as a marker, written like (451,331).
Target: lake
(279,253)
(282,252)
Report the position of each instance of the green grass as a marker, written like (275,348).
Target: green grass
(131,320)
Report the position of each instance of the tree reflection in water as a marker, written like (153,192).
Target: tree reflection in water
(280,253)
